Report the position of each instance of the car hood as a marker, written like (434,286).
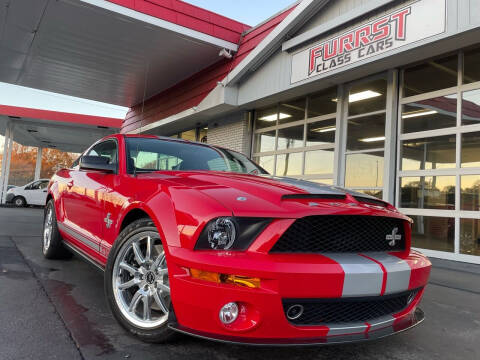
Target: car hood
(253,195)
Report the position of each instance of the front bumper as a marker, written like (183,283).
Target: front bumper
(406,323)
(196,303)
(9,197)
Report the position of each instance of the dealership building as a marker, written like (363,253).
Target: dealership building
(379,96)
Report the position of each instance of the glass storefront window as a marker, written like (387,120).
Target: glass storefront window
(430,76)
(470,236)
(190,135)
(428,192)
(266,117)
(366,132)
(430,114)
(292,111)
(471,107)
(265,141)
(321,132)
(471,70)
(470,150)
(367,97)
(429,153)
(322,103)
(266,162)
(319,162)
(432,232)
(289,164)
(364,170)
(291,137)
(470,192)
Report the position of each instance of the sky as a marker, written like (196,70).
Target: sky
(250,12)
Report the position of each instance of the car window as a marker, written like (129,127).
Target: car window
(43,185)
(150,154)
(33,186)
(107,149)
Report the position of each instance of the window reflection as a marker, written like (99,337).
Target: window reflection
(366,132)
(367,97)
(428,192)
(322,103)
(266,117)
(319,162)
(471,150)
(430,114)
(289,164)
(430,76)
(470,236)
(265,141)
(471,70)
(429,153)
(292,111)
(470,192)
(291,137)
(321,132)
(471,107)
(364,170)
(432,232)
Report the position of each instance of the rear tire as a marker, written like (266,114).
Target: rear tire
(19,201)
(136,282)
(52,242)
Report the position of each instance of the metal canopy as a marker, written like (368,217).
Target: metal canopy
(65,136)
(97,52)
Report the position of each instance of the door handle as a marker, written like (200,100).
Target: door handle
(70,184)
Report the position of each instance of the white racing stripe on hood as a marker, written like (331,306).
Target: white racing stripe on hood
(397,271)
(363,277)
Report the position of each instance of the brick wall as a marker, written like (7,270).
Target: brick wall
(234,135)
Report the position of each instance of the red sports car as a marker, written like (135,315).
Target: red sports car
(198,239)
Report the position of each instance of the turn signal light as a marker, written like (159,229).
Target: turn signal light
(225,279)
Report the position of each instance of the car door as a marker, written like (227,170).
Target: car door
(38,193)
(83,202)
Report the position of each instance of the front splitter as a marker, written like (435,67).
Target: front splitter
(404,324)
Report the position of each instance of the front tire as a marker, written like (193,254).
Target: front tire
(19,201)
(136,282)
(52,242)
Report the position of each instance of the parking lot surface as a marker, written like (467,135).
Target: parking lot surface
(56,310)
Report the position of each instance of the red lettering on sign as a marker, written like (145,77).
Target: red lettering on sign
(361,36)
(401,19)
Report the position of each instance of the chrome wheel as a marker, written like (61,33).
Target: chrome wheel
(47,229)
(140,281)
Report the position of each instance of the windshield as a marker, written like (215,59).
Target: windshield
(149,154)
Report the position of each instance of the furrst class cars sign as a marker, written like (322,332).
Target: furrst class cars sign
(405,25)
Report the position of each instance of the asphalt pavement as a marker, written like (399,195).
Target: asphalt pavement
(57,310)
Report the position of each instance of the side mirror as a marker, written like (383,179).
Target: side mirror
(96,163)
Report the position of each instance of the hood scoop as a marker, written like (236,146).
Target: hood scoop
(313,196)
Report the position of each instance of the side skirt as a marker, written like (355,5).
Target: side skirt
(83,256)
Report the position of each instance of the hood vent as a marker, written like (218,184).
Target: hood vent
(370,201)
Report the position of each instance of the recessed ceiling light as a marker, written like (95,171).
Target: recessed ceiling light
(273,117)
(373,139)
(418,113)
(363,95)
(325,129)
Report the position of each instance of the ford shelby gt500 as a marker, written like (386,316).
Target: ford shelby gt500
(200,240)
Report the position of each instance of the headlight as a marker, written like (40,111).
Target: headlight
(222,234)
(230,233)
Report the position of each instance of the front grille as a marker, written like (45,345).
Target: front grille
(341,233)
(346,310)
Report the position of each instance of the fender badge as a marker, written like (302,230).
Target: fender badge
(108,221)
(313,204)
(241,198)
